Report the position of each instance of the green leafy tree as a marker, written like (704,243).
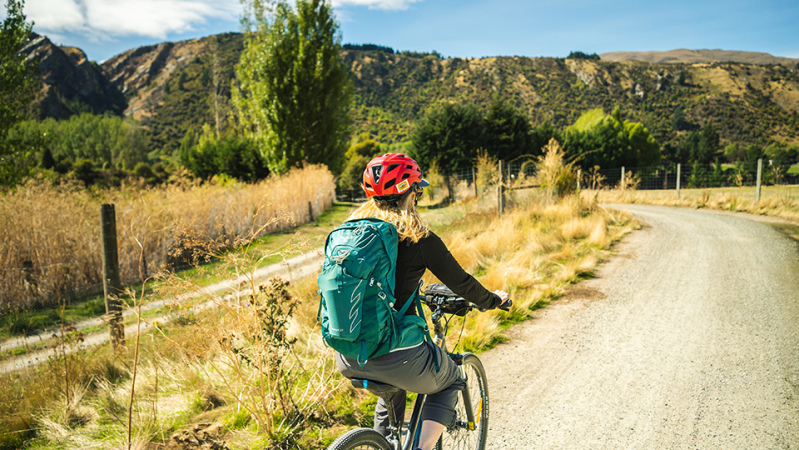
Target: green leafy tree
(231,155)
(358,156)
(605,140)
(780,160)
(698,177)
(717,177)
(450,135)
(294,92)
(106,141)
(541,135)
(16,91)
(508,132)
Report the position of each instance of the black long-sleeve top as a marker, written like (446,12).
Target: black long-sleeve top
(431,253)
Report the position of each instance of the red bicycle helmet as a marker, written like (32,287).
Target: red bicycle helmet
(392,174)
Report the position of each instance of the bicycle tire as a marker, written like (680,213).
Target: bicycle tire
(360,439)
(459,437)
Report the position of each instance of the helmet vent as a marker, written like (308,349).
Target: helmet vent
(406,175)
(390,183)
(392,167)
(376,172)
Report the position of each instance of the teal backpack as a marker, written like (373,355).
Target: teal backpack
(356,286)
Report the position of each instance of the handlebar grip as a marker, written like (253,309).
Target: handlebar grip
(506,306)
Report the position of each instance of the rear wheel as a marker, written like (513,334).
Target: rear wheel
(464,436)
(360,439)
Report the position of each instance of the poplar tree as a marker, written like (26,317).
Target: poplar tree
(293,93)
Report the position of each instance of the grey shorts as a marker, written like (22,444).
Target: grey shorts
(411,370)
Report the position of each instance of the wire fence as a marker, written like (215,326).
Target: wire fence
(481,180)
(695,176)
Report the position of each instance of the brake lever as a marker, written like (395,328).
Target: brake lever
(506,306)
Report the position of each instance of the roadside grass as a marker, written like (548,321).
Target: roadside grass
(278,246)
(254,373)
(53,241)
(777,201)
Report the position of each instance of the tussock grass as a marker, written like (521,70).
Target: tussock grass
(778,201)
(52,240)
(533,251)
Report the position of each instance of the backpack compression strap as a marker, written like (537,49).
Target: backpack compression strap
(427,337)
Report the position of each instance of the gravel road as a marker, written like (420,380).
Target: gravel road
(689,338)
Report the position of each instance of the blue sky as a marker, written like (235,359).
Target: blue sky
(462,28)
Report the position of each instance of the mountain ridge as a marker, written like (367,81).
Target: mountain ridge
(168,87)
(688,56)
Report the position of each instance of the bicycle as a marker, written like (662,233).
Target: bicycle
(470,430)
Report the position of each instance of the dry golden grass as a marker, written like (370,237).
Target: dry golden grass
(532,251)
(52,239)
(778,201)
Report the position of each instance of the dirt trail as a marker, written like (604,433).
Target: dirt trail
(688,339)
(292,269)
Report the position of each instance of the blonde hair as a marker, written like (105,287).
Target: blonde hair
(402,214)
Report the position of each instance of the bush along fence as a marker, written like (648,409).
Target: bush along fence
(51,253)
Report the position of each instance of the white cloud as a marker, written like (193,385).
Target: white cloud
(113,18)
(55,14)
(377,4)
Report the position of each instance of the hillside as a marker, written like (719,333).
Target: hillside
(683,55)
(170,88)
(71,84)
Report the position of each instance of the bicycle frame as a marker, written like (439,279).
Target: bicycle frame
(414,426)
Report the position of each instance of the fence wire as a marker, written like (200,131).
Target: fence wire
(460,184)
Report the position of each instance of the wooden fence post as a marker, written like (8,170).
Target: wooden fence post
(310,212)
(678,181)
(579,176)
(622,179)
(474,181)
(759,174)
(500,191)
(112,287)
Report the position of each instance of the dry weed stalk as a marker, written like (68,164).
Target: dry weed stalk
(553,174)
(630,182)
(595,179)
(487,170)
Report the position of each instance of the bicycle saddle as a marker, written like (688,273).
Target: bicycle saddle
(375,387)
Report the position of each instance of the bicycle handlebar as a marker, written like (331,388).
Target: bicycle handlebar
(438,296)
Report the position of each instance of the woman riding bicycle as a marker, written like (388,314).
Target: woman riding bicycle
(393,185)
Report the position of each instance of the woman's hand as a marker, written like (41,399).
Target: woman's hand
(503,296)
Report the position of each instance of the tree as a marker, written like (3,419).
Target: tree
(508,132)
(294,92)
(358,156)
(449,134)
(541,135)
(605,140)
(230,155)
(16,82)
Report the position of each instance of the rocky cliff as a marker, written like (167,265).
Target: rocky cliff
(70,83)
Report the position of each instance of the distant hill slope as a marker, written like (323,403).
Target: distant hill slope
(686,56)
(169,87)
(71,84)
